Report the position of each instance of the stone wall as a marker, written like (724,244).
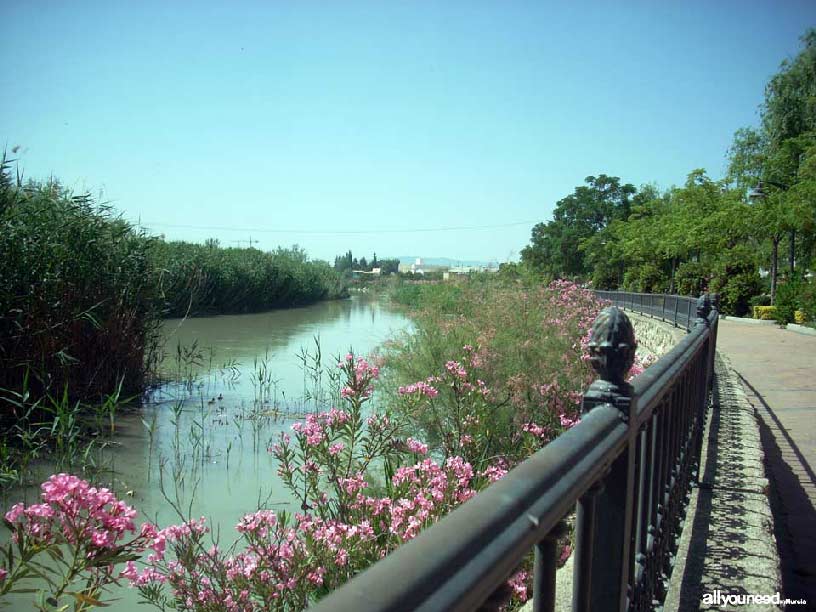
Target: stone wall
(654,337)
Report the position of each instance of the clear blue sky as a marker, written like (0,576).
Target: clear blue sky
(338,117)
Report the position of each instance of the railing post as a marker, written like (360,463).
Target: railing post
(604,516)
(704,308)
(676,304)
(544,568)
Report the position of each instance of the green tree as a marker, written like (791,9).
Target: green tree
(555,247)
(773,157)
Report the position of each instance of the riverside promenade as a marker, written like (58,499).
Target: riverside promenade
(777,369)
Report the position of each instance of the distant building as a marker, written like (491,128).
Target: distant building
(364,273)
(465,270)
(417,267)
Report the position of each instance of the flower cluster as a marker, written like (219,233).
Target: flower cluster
(83,525)
(75,511)
(360,374)
(420,388)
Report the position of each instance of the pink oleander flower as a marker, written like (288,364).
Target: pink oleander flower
(76,511)
(537,430)
(419,388)
(455,368)
(493,473)
(518,582)
(415,446)
(568,422)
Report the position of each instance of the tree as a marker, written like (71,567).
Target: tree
(555,247)
(790,96)
(773,156)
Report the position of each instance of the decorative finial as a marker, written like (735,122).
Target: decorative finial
(703,307)
(612,345)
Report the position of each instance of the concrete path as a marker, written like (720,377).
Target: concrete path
(778,370)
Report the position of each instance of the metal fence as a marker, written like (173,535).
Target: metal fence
(626,469)
(676,309)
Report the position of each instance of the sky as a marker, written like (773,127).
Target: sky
(435,129)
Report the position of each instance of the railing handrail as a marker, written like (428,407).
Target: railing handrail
(459,562)
(632,300)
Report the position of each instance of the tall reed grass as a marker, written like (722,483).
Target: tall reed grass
(79,305)
(205,279)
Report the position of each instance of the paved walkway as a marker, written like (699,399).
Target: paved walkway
(778,370)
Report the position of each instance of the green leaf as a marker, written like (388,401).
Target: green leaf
(87,599)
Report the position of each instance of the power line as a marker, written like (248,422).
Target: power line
(223,228)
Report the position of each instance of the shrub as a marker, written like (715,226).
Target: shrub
(807,299)
(736,287)
(525,345)
(765,313)
(692,278)
(760,300)
(787,300)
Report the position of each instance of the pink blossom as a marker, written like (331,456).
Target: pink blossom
(415,446)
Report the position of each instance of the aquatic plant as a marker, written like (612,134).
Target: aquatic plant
(79,305)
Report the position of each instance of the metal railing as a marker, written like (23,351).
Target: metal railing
(626,468)
(679,310)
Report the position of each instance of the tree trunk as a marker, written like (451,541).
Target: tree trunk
(671,283)
(774,266)
(792,253)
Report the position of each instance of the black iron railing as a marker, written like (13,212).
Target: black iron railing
(676,309)
(626,468)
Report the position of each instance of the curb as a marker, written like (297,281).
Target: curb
(801,329)
(727,543)
(749,321)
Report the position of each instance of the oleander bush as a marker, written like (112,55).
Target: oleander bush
(526,344)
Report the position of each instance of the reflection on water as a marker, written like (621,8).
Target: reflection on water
(204,441)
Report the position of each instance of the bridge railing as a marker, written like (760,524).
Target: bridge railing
(626,469)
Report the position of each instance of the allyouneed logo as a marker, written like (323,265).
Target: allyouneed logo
(718,598)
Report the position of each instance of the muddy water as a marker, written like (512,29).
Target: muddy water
(202,443)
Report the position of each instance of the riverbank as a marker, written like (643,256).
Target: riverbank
(82,308)
(205,440)
(464,366)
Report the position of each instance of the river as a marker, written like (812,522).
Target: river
(202,442)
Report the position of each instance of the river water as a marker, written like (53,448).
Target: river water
(201,444)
